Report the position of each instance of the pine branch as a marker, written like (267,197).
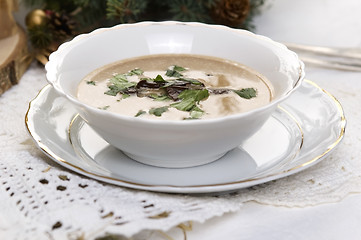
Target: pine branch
(125,10)
(33,3)
(189,10)
(70,17)
(91,14)
(40,36)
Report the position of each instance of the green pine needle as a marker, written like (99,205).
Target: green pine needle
(40,37)
(89,15)
(125,10)
(189,10)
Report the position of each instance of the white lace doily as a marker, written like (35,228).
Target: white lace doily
(42,200)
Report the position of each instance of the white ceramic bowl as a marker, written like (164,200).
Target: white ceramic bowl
(173,143)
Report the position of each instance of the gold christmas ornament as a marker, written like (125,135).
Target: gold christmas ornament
(35,18)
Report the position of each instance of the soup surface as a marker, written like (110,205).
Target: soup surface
(175,87)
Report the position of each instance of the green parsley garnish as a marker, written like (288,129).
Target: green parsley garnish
(246,93)
(190,80)
(158,111)
(195,115)
(119,83)
(124,96)
(119,78)
(197,95)
(159,78)
(178,68)
(91,83)
(135,71)
(140,112)
(189,100)
(174,71)
(184,105)
(159,97)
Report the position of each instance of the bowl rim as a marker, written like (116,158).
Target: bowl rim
(50,68)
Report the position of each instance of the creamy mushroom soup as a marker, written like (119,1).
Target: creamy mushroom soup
(175,87)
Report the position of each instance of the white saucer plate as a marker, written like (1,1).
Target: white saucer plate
(299,134)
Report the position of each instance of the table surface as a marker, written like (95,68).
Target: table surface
(326,23)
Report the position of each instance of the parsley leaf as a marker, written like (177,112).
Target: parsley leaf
(168,84)
(140,112)
(91,83)
(159,78)
(158,111)
(119,83)
(124,96)
(189,100)
(178,68)
(121,87)
(246,93)
(135,71)
(113,90)
(196,95)
(195,114)
(159,97)
(184,105)
(190,80)
(119,78)
(174,71)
